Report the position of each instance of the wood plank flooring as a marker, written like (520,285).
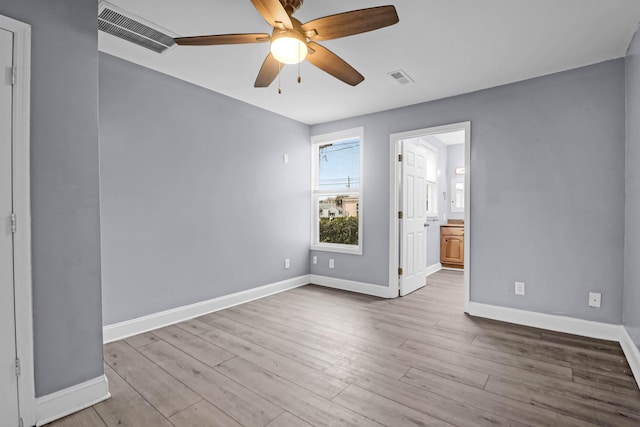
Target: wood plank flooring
(314,356)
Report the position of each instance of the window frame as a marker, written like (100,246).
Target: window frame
(457,180)
(316,194)
(433,213)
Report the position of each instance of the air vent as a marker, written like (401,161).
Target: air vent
(132,28)
(401,77)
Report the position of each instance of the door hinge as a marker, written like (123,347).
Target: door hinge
(400,214)
(20,422)
(399,157)
(14,75)
(17,367)
(399,271)
(13,223)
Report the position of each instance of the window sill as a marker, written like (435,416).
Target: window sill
(343,249)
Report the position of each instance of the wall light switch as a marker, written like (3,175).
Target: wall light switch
(315,259)
(595,299)
(331,263)
(519,288)
(285,159)
(287,263)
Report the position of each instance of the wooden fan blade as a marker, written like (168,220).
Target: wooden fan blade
(331,63)
(268,72)
(350,23)
(223,39)
(273,12)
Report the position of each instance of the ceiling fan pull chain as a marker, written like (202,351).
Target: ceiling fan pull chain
(279,72)
(299,61)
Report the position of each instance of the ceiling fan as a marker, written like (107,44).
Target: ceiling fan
(293,41)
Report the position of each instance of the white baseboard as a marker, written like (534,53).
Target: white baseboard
(69,400)
(352,286)
(568,325)
(631,352)
(433,268)
(118,331)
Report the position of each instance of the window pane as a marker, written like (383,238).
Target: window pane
(459,187)
(338,219)
(432,166)
(432,203)
(339,165)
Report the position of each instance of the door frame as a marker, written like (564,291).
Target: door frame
(20,141)
(394,169)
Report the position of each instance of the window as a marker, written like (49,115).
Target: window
(457,195)
(432,181)
(337,191)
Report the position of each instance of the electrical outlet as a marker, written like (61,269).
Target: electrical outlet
(315,259)
(287,264)
(595,299)
(519,288)
(331,263)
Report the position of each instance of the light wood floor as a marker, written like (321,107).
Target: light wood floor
(316,356)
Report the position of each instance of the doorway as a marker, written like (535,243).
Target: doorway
(16,333)
(436,198)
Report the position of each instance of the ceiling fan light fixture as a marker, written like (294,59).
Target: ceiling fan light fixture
(289,47)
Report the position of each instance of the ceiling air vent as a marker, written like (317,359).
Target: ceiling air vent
(401,77)
(132,28)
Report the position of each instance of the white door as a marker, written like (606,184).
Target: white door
(413,242)
(8,380)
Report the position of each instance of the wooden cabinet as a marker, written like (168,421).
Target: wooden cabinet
(452,245)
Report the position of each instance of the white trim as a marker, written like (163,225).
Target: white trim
(394,207)
(69,400)
(22,209)
(552,322)
(467,215)
(433,268)
(631,352)
(567,325)
(139,325)
(337,248)
(352,286)
(338,136)
(394,260)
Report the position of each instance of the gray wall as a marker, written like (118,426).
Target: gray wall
(455,158)
(632,211)
(64,190)
(196,200)
(547,201)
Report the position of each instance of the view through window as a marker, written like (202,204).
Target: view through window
(336,190)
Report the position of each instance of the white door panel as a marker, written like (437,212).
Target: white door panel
(8,381)
(412,225)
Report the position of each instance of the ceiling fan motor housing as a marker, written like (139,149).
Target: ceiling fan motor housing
(291,5)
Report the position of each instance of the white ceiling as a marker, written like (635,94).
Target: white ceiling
(452,138)
(448,47)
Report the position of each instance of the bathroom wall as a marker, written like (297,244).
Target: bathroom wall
(455,159)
